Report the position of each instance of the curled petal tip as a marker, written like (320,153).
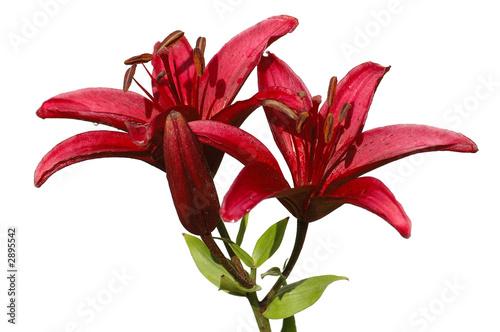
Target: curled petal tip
(40,112)
(294,22)
(405,232)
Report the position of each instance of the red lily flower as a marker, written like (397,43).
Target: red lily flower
(181,82)
(327,150)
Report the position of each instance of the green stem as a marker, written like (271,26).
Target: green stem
(262,322)
(297,248)
(215,250)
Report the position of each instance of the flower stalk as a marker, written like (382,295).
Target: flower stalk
(262,322)
(297,249)
(234,258)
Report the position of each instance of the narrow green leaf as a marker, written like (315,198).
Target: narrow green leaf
(269,242)
(242,254)
(241,231)
(289,325)
(274,271)
(297,296)
(206,263)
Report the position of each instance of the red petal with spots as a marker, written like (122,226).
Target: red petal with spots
(108,106)
(85,146)
(256,182)
(192,187)
(356,88)
(372,195)
(229,68)
(272,71)
(234,141)
(379,146)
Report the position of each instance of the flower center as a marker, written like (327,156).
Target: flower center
(166,82)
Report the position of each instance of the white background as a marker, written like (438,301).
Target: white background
(101,218)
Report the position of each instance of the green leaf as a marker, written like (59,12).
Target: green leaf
(289,325)
(269,242)
(242,254)
(241,231)
(205,261)
(229,285)
(274,271)
(297,296)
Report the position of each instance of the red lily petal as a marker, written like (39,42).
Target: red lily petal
(229,68)
(357,89)
(191,184)
(108,106)
(234,141)
(85,146)
(370,194)
(272,71)
(379,146)
(256,182)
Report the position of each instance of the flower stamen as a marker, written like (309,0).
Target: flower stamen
(301,121)
(160,76)
(301,94)
(129,76)
(331,91)
(170,40)
(138,59)
(199,55)
(344,111)
(328,128)
(279,106)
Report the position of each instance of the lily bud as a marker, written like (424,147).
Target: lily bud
(192,187)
